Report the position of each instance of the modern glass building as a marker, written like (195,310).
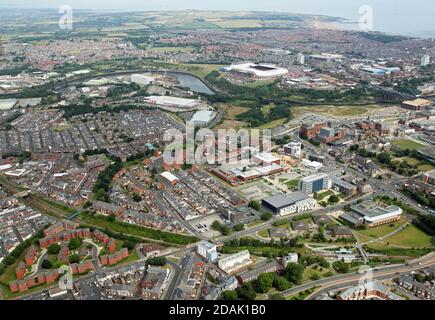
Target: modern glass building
(314,183)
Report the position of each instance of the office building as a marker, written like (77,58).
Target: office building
(425,60)
(301,59)
(207,250)
(344,187)
(293,149)
(314,183)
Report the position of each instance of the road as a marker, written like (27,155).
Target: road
(345,280)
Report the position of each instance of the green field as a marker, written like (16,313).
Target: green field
(273,124)
(309,272)
(409,160)
(258,83)
(406,144)
(292,183)
(381,231)
(135,230)
(323,195)
(238,23)
(411,237)
(264,233)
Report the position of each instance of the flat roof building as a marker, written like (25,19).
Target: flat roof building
(372,214)
(417,104)
(202,118)
(207,250)
(235,262)
(314,183)
(171,178)
(293,149)
(289,203)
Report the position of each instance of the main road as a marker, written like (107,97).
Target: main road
(349,279)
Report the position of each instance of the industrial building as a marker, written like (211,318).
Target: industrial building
(235,262)
(202,118)
(171,178)
(289,203)
(417,104)
(257,71)
(314,183)
(372,214)
(141,79)
(207,250)
(265,159)
(174,103)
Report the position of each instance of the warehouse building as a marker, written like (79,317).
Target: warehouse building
(141,79)
(289,203)
(202,118)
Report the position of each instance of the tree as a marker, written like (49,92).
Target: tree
(333,199)
(74,258)
(9,260)
(157,261)
(384,157)
(276,296)
(340,266)
(239,227)
(246,291)
(294,272)
(266,216)
(254,205)
(281,283)
(229,295)
(264,282)
(75,243)
(46,264)
(130,245)
(137,197)
(53,249)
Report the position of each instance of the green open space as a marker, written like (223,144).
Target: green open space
(322,195)
(238,23)
(381,231)
(411,236)
(135,230)
(406,144)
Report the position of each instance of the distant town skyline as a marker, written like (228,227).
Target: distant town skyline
(389,15)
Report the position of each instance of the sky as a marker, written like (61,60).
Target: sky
(394,16)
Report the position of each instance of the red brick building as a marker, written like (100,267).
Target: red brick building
(309,131)
(20,270)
